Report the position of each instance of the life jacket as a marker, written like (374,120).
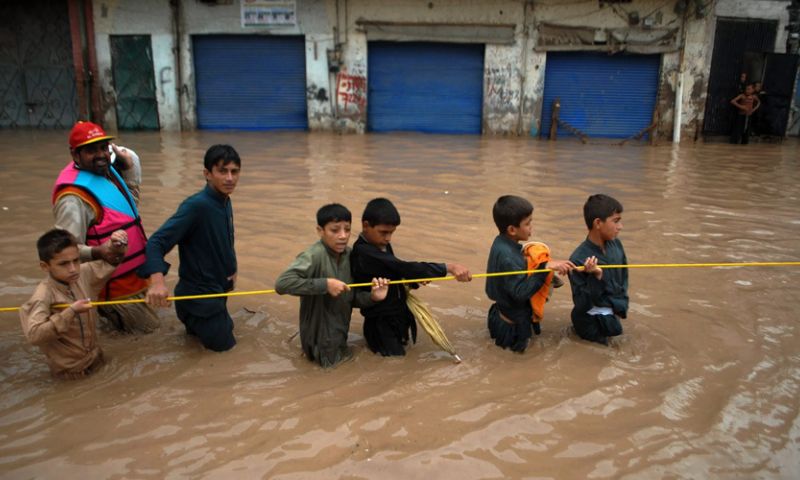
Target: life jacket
(536,253)
(114,209)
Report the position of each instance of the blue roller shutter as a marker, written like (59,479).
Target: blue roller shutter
(250,82)
(601,95)
(424,87)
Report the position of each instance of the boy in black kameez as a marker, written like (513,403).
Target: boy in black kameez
(387,324)
(510,317)
(600,296)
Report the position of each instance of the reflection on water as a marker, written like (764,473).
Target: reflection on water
(704,382)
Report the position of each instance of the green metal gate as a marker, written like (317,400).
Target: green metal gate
(37,77)
(134,82)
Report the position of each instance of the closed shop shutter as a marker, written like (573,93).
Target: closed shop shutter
(250,82)
(424,87)
(601,95)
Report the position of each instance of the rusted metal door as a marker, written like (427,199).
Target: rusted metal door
(37,77)
(134,82)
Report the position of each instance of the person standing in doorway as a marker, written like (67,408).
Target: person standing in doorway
(746,103)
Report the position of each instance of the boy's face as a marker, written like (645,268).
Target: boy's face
(65,266)
(335,235)
(610,227)
(522,232)
(748,90)
(379,235)
(223,178)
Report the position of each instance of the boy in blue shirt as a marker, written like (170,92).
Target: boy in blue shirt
(510,317)
(600,296)
(202,228)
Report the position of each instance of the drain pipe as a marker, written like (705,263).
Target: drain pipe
(676,128)
(676,123)
(175,6)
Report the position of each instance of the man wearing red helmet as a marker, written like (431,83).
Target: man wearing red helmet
(94,195)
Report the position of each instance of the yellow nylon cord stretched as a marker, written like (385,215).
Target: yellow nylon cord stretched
(439,279)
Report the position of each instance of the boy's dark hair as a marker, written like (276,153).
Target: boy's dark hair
(380,211)
(333,212)
(600,206)
(53,242)
(226,153)
(510,210)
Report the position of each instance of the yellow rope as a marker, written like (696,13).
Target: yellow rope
(439,279)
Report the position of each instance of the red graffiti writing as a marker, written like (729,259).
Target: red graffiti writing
(351,90)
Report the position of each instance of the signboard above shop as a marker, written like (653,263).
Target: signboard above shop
(269,13)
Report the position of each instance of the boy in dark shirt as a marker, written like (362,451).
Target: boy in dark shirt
(600,296)
(203,230)
(510,317)
(387,324)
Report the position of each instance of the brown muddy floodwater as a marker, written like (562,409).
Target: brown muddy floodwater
(704,383)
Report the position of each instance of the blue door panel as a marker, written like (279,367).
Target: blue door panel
(250,82)
(602,95)
(424,87)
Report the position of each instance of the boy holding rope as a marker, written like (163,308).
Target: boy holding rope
(68,336)
(510,318)
(203,230)
(320,276)
(387,324)
(600,297)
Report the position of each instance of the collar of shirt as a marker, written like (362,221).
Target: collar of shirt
(60,286)
(511,243)
(220,198)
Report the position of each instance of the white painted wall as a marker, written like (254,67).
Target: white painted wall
(141,17)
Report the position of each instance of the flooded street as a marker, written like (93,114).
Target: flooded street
(704,383)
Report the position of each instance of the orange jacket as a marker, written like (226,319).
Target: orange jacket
(536,253)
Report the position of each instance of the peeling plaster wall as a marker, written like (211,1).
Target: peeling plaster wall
(143,17)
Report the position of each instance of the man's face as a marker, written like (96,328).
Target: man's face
(94,157)
(610,227)
(335,235)
(65,266)
(223,178)
(380,235)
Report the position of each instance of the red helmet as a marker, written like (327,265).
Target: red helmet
(84,133)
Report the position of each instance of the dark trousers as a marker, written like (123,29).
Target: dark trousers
(597,328)
(215,331)
(741,130)
(388,333)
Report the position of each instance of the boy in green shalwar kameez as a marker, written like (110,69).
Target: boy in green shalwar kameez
(319,276)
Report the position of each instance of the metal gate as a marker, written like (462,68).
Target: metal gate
(601,95)
(250,82)
(134,82)
(37,77)
(732,39)
(425,87)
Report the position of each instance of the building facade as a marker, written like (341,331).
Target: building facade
(614,68)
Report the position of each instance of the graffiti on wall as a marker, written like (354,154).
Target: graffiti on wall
(502,89)
(351,94)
